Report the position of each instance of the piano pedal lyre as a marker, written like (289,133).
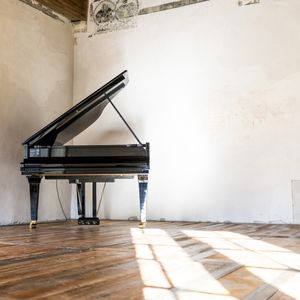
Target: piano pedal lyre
(83,220)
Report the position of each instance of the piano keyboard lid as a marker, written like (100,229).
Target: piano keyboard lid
(79,117)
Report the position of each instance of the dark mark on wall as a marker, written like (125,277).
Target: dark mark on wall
(110,16)
(248,2)
(126,9)
(104,12)
(166,6)
(43,9)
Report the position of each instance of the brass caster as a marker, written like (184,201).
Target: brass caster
(32,224)
(142,225)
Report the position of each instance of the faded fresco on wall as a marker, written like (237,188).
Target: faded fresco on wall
(111,15)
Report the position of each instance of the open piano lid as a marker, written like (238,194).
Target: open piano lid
(79,117)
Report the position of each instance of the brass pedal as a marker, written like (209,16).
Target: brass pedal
(32,224)
(142,225)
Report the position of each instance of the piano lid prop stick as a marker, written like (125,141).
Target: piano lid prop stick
(124,120)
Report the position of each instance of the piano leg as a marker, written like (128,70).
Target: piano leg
(34,187)
(143,189)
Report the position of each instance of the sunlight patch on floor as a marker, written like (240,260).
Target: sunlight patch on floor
(271,264)
(168,272)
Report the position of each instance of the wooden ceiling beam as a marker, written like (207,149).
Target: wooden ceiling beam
(72,10)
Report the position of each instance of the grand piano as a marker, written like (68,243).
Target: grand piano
(46,155)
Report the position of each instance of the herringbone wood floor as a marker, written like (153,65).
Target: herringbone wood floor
(167,260)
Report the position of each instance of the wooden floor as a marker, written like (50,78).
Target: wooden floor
(167,260)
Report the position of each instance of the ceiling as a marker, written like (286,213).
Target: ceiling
(74,10)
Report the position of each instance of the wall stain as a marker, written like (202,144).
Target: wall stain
(43,9)
(167,6)
(248,2)
(79,26)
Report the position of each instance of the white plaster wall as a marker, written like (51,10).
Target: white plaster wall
(36,79)
(215,89)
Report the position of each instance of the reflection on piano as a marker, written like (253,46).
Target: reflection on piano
(46,156)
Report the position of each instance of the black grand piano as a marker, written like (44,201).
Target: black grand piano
(46,156)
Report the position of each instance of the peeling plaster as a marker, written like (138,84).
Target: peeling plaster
(166,6)
(248,2)
(79,27)
(44,10)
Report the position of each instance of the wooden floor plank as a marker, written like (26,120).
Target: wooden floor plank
(167,260)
